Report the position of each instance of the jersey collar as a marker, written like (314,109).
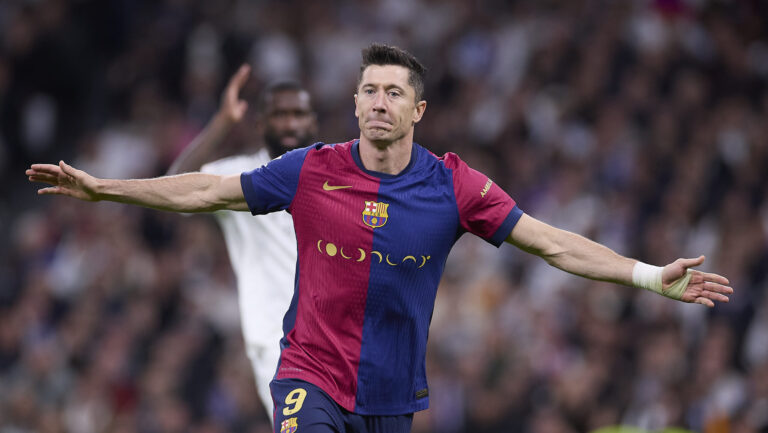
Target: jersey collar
(356,156)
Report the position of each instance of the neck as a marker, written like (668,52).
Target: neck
(386,157)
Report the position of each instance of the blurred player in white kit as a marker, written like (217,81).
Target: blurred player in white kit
(262,250)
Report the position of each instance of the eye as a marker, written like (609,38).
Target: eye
(394,94)
(368,91)
(280,114)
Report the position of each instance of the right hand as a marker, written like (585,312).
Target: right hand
(65,180)
(233,108)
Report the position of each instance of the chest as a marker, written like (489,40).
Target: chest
(413,216)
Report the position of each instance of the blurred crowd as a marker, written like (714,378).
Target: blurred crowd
(642,124)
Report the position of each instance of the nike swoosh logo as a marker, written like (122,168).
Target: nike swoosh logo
(327,187)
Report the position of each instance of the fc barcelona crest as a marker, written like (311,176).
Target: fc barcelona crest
(375,213)
(289,426)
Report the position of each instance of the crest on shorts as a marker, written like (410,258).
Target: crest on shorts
(289,426)
(375,213)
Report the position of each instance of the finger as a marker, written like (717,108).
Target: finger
(242,106)
(690,263)
(704,301)
(715,296)
(50,190)
(44,168)
(59,190)
(64,167)
(46,175)
(68,169)
(719,288)
(239,79)
(35,174)
(53,180)
(715,278)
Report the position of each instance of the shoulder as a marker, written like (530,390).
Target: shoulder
(333,148)
(321,147)
(296,159)
(451,161)
(465,177)
(329,152)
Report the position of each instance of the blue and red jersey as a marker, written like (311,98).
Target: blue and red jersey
(371,250)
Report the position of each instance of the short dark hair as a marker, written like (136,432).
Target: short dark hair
(380,54)
(277,87)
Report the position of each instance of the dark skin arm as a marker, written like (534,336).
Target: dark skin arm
(204,147)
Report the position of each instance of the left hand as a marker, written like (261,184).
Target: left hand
(703,288)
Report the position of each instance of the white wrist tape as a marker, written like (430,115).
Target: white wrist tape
(649,277)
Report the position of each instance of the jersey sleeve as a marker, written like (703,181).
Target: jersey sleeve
(484,208)
(272,187)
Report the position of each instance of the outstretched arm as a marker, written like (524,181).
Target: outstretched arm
(191,192)
(231,111)
(580,256)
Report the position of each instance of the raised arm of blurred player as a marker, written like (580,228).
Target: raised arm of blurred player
(231,111)
(580,256)
(190,192)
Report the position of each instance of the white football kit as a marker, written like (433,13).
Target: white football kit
(262,251)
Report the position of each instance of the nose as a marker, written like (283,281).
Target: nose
(379,103)
(292,122)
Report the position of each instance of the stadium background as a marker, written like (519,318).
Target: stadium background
(642,124)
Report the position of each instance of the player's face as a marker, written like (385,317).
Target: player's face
(289,121)
(385,104)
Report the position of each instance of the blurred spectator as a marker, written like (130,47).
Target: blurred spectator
(641,124)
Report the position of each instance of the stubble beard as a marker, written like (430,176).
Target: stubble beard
(276,148)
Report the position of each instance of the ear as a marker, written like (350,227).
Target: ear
(356,113)
(418,111)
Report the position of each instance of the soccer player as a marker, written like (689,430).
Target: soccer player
(262,250)
(375,218)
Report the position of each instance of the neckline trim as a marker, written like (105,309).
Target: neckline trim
(355,151)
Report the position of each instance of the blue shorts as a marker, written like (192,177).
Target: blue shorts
(304,408)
